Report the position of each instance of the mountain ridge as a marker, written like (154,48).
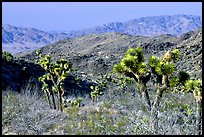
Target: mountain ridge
(20,39)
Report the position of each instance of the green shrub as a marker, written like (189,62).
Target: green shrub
(7,56)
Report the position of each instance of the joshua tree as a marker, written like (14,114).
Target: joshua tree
(162,68)
(195,86)
(45,79)
(53,80)
(133,66)
(163,74)
(95,93)
(158,70)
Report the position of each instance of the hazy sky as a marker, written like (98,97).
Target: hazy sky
(50,16)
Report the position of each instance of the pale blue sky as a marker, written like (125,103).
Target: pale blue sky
(50,16)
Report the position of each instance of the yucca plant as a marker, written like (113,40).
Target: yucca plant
(162,68)
(53,80)
(95,93)
(159,69)
(45,79)
(133,66)
(195,86)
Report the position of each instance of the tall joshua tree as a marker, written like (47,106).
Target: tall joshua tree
(133,65)
(162,68)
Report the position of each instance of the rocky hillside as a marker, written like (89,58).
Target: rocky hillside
(191,47)
(16,39)
(96,54)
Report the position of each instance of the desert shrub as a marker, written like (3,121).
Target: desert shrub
(7,56)
(28,114)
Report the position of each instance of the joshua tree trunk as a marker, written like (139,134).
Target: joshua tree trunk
(198,117)
(61,102)
(47,94)
(53,99)
(93,101)
(96,99)
(50,83)
(145,96)
(60,99)
(154,112)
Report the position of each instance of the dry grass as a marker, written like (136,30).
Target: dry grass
(114,114)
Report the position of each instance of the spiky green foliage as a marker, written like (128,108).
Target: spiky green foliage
(7,56)
(132,60)
(195,86)
(153,60)
(173,81)
(175,55)
(134,66)
(162,66)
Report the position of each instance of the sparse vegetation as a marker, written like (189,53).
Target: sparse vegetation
(121,114)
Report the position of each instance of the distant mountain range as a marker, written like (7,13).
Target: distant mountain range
(19,39)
